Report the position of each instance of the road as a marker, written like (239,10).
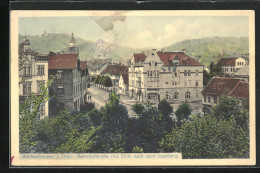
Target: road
(100,96)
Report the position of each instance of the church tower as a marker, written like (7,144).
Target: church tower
(72,41)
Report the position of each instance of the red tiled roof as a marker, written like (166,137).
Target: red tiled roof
(220,86)
(167,57)
(241,91)
(227,61)
(227,86)
(83,64)
(63,61)
(125,78)
(139,57)
(115,70)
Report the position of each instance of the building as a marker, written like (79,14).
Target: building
(33,72)
(243,73)
(69,86)
(231,65)
(114,71)
(224,86)
(123,84)
(174,76)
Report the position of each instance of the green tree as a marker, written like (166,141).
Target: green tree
(108,82)
(183,111)
(29,117)
(166,110)
(207,137)
(138,108)
(113,126)
(229,108)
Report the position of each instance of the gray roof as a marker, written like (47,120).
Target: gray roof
(243,71)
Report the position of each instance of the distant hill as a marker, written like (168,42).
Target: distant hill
(212,49)
(204,50)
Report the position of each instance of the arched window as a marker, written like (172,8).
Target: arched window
(176,96)
(167,96)
(187,95)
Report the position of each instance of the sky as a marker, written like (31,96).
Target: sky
(139,31)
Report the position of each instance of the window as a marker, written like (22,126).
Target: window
(60,90)
(166,83)
(189,72)
(150,63)
(215,99)
(40,84)
(185,72)
(155,64)
(157,73)
(167,96)
(209,99)
(237,63)
(197,94)
(148,73)
(205,99)
(231,69)
(151,73)
(176,96)
(40,70)
(197,83)
(187,95)
(26,88)
(60,74)
(75,105)
(175,74)
(197,73)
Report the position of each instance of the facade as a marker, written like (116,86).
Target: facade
(174,76)
(231,65)
(69,86)
(123,84)
(224,86)
(114,71)
(33,72)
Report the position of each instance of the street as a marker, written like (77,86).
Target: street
(100,96)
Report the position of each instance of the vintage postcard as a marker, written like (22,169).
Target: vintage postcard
(132,88)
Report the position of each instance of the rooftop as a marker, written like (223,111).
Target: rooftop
(167,57)
(227,86)
(63,61)
(227,61)
(115,70)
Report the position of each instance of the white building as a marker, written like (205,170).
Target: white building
(231,65)
(33,72)
(114,71)
(173,76)
(123,84)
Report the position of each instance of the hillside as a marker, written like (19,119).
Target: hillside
(211,49)
(204,50)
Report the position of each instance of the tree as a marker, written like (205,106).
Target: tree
(138,108)
(183,111)
(229,108)
(113,126)
(207,137)
(29,117)
(108,82)
(166,109)
(96,117)
(86,107)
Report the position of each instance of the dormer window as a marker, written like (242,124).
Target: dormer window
(152,54)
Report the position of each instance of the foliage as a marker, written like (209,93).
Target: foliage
(138,108)
(113,126)
(96,117)
(214,70)
(207,137)
(183,111)
(102,80)
(137,149)
(229,108)
(29,117)
(86,107)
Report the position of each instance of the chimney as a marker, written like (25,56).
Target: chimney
(184,50)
